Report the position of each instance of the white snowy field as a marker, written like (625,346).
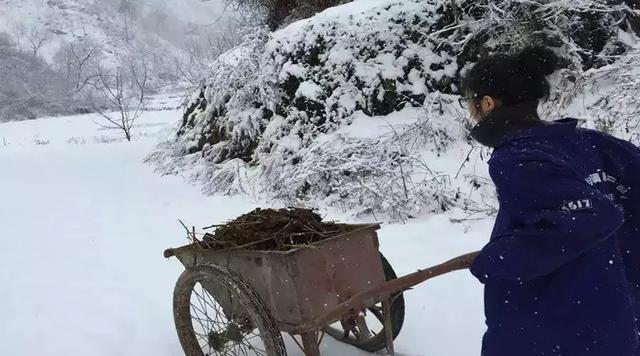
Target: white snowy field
(84,222)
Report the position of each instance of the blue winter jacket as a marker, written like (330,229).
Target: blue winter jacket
(562,268)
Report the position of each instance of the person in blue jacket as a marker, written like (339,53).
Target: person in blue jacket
(562,267)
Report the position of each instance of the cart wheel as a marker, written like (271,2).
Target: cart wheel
(367,332)
(218,313)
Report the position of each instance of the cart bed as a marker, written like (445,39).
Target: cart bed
(305,283)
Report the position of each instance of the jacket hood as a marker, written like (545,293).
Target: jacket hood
(502,123)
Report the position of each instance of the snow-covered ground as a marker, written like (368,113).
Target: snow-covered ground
(83,223)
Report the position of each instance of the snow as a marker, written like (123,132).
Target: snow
(339,85)
(84,220)
(68,21)
(604,98)
(197,12)
(344,66)
(310,90)
(83,228)
(290,69)
(363,126)
(70,18)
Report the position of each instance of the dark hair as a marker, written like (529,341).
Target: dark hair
(512,78)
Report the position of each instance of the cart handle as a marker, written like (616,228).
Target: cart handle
(360,300)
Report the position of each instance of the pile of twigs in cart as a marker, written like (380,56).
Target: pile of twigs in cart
(271,230)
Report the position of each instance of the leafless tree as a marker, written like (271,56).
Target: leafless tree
(31,87)
(203,46)
(31,40)
(79,60)
(20,33)
(37,37)
(129,11)
(191,67)
(124,90)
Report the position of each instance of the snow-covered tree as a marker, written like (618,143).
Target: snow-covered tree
(275,13)
(274,108)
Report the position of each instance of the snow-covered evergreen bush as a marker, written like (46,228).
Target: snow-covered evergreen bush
(605,97)
(290,115)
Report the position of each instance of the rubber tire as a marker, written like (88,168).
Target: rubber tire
(269,333)
(378,342)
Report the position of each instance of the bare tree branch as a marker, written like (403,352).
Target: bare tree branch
(37,37)
(124,91)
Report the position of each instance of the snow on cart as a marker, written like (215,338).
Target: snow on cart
(270,272)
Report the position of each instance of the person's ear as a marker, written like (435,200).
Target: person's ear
(488,104)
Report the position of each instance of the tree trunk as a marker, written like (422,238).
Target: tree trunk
(126,27)
(454,10)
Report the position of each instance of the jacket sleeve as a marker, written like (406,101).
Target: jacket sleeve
(554,216)
(634,171)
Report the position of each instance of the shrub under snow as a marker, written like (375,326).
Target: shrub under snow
(354,107)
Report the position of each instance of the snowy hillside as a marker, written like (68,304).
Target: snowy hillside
(159,31)
(67,20)
(85,222)
(189,11)
(53,52)
(353,108)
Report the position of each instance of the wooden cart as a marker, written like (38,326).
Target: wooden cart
(240,302)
